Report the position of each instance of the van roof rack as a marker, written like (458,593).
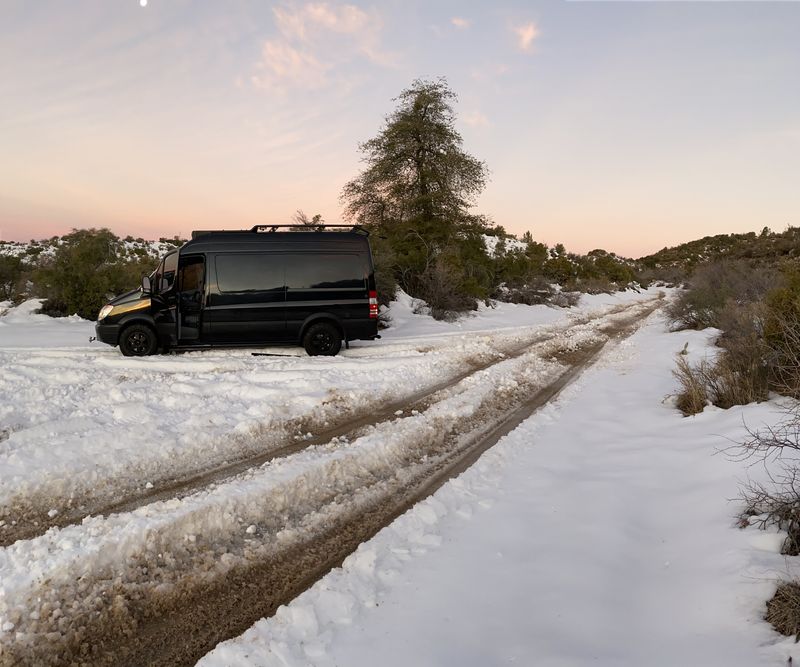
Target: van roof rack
(261,229)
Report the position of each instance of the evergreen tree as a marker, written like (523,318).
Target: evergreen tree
(416,191)
(417,171)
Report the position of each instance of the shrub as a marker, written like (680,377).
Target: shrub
(595,285)
(560,269)
(783,610)
(777,503)
(85,272)
(534,292)
(441,286)
(10,273)
(740,374)
(712,286)
(565,299)
(738,377)
(383,259)
(693,396)
(782,334)
(55,308)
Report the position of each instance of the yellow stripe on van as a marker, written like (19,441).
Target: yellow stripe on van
(129,307)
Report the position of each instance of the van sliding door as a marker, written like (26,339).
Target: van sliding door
(246,302)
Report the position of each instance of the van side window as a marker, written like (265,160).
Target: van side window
(165,273)
(190,276)
(249,273)
(319,271)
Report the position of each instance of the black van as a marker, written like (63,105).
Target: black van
(260,286)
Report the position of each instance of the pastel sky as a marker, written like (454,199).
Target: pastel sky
(623,125)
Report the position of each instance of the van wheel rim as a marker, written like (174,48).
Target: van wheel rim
(138,342)
(323,341)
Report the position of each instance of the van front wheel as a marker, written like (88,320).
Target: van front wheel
(138,340)
(322,338)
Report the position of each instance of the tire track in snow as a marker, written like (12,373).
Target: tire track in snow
(168,600)
(27,516)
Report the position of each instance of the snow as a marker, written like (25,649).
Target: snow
(23,327)
(600,531)
(407,324)
(491,243)
(293,486)
(80,419)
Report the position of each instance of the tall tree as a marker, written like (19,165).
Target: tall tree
(416,169)
(416,190)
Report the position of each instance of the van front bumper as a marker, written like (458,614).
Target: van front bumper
(107,333)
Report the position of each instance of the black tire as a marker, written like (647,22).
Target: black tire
(138,340)
(322,338)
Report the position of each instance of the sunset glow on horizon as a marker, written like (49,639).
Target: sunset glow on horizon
(622,125)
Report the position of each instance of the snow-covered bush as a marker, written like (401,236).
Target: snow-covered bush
(88,267)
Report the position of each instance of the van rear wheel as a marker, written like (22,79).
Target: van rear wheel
(138,340)
(322,338)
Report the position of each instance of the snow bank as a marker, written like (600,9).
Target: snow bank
(23,327)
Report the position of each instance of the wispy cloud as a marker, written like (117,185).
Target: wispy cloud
(526,34)
(489,72)
(281,62)
(314,40)
(460,23)
(344,19)
(475,119)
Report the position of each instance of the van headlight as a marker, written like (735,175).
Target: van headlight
(105,311)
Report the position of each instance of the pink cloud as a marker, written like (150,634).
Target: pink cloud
(315,39)
(282,63)
(526,34)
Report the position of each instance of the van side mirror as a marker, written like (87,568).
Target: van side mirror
(146,284)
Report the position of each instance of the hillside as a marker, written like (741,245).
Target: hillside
(133,249)
(768,246)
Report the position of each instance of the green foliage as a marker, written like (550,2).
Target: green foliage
(766,248)
(85,272)
(560,269)
(11,270)
(415,192)
(782,333)
(712,286)
(600,263)
(737,377)
(416,169)
(760,337)
(783,303)
(383,259)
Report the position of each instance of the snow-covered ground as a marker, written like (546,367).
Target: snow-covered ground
(601,531)
(80,419)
